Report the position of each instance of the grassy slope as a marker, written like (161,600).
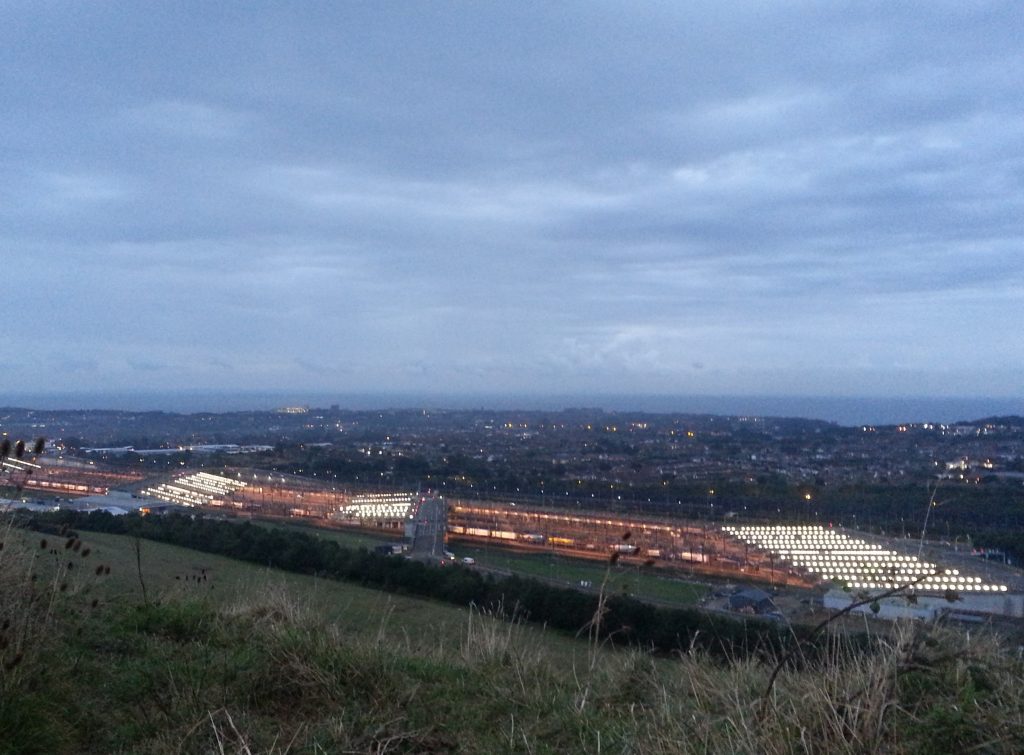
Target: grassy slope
(252,660)
(174,573)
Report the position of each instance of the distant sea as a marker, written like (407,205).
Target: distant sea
(849,411)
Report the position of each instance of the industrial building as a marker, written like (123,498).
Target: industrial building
(887,582)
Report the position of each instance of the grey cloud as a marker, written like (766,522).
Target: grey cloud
(610,195)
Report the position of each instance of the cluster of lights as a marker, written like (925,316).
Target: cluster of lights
(833,556)
(197,489)
(379,506)
(212,483)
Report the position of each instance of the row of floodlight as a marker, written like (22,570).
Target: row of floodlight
(377,511)
(211,483)
(926,586)
(177,494)
(364,499)
(229,482)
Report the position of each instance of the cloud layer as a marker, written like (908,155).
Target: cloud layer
(592,197)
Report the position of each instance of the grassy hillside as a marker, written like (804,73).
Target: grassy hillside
(171,573)
(249,660)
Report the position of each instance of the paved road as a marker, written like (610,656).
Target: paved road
(431,522)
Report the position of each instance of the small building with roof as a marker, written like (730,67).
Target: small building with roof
(751,600)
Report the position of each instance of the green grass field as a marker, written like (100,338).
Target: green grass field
(638,581)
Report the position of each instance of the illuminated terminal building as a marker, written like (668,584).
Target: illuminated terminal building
(378,506)
(858,569)
(196,489)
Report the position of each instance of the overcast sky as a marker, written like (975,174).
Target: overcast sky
(652,198)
